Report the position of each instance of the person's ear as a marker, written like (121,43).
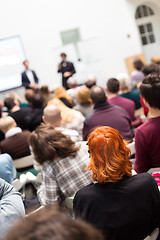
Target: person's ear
(43,118)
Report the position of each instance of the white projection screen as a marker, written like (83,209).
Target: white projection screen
(11,57)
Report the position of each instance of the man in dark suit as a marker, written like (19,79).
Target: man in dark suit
(66,68)
(29,77)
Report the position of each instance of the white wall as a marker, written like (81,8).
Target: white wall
(104,23)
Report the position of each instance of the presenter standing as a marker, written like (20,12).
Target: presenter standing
(66,68)
(29,77)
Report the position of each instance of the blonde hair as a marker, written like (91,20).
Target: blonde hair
(83,95)
(60,92)
(66,113)
(6,123)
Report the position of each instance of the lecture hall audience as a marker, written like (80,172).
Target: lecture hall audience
(100,173)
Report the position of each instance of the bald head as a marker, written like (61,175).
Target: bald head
(97,95)
(52,115)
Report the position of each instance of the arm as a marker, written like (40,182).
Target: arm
(141,156)
(7,169)
(59,67)
(72,71)
(49,192)
(11,206)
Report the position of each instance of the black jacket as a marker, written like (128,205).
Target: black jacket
(25,80)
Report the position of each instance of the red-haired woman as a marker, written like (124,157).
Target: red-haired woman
(121,205)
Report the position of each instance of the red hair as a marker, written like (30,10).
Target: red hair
(108,155)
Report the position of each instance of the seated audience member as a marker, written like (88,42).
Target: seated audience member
(52,117)
(147,136)
(34,117)
(148,69)
(45,92)
(105,114)
(63,164)
(11,207)
(115,202)
(127,104)
(126,93)
(7,169)
(16,140)
(73,88)
(17,98)
(71,119)
(137,75)
(29,95)
(52,224)
(84,101)
(91,81)
(62,95)
(16,112)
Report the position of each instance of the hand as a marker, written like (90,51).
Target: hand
(35,85)
(67,74)
(59,66)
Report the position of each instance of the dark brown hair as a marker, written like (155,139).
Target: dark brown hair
(51,224)
(48,143)
(150,89)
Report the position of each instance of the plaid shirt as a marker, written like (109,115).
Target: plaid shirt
(64,177)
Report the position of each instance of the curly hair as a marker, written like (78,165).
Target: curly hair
(108,155)
(48,144)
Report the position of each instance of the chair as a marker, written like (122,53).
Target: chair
(23,162)
(68,202)
(132,147)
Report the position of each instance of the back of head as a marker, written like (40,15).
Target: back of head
(49,144)
(9,102)
(71,82)
(52,114)
(51,224)
(83,95)
(66,112)
(108,155)
(97,95)
(138,64)
(91,81)
(150,68)
(37,101)
(113,85)
(150,89)
(29,95)
(44,90)
(7,123)
(123,79)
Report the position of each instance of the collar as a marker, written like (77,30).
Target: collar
(99,105)
(13,131)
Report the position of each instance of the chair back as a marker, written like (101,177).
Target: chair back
(23,162)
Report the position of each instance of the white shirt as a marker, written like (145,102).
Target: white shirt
(30,76)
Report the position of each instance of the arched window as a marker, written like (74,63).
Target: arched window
(143,17)
(143,11)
